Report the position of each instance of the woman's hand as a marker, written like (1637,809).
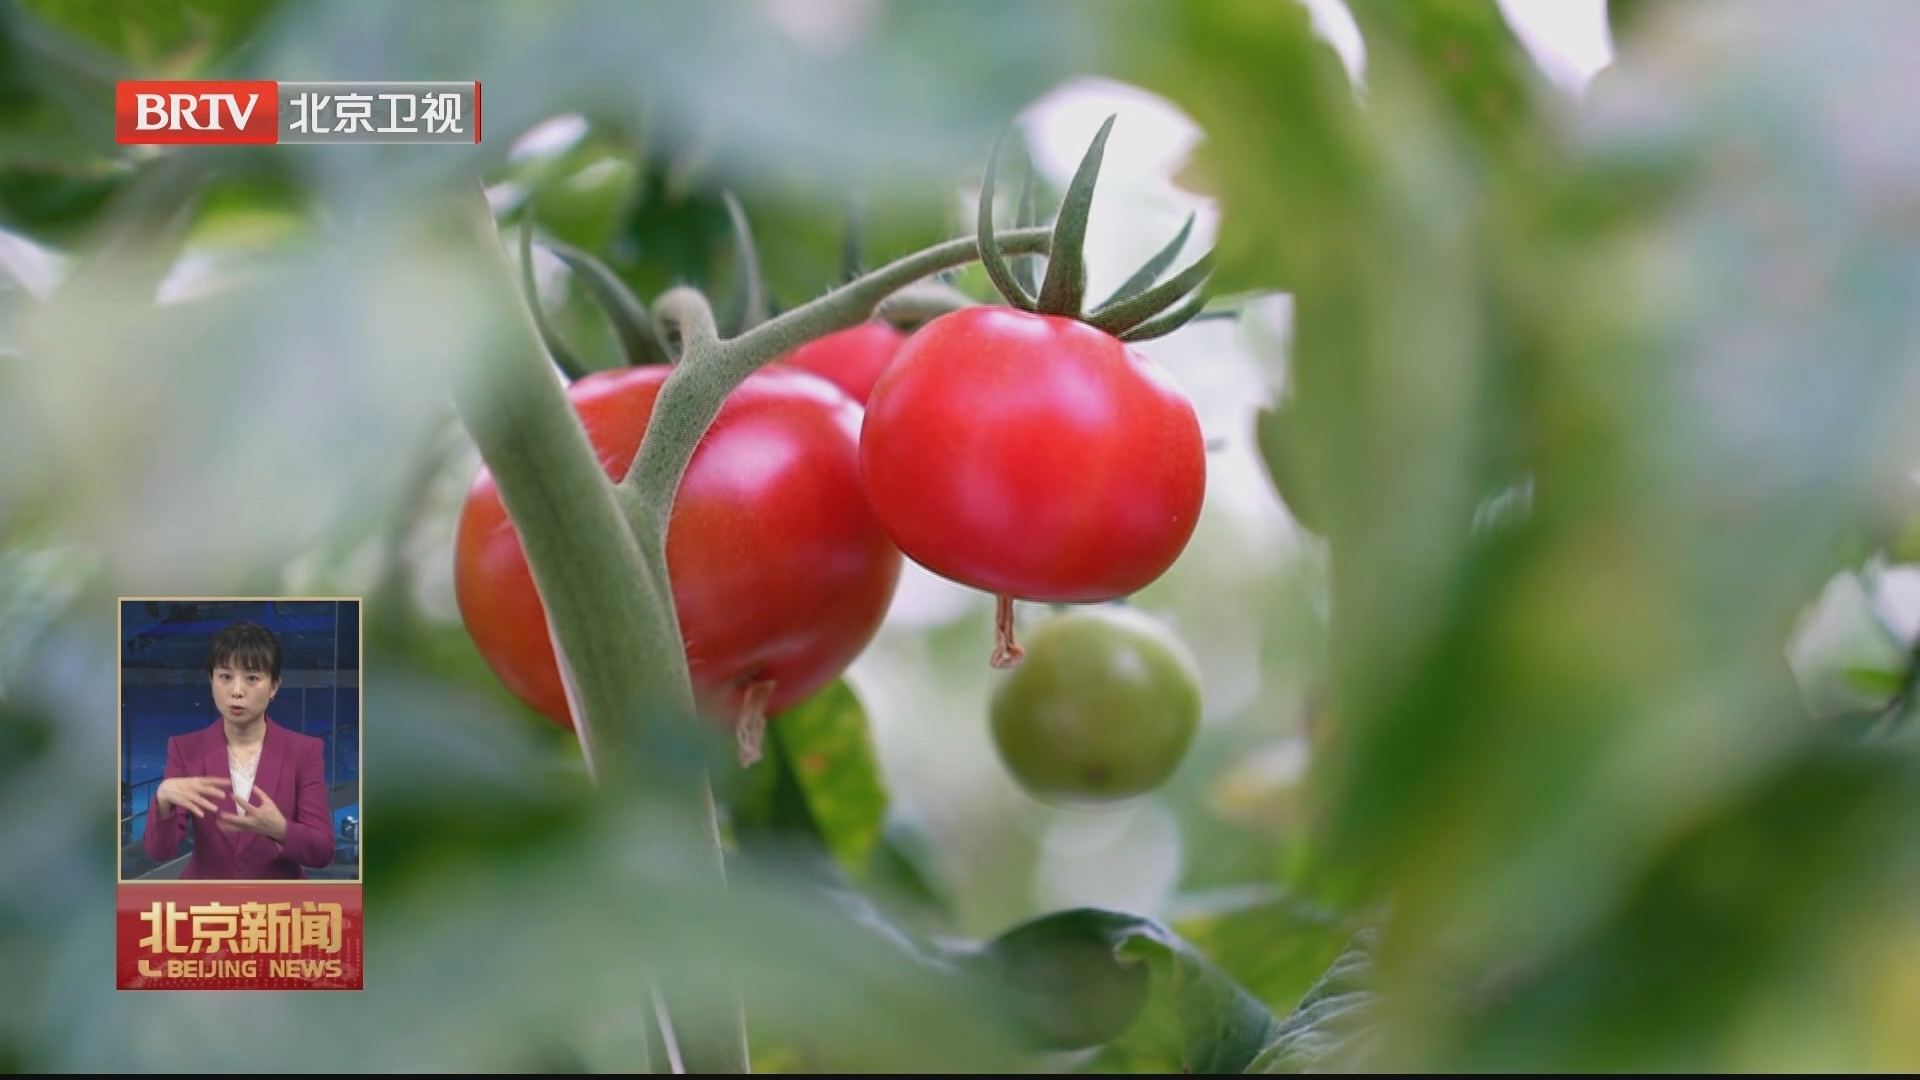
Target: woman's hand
(265,819)
(199,794)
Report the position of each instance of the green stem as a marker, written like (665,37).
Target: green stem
(583,556)
(922,303)
(611,618)
(711,367)
(556,346)
(597,551)
(624,311)
(753,285)
(687,316)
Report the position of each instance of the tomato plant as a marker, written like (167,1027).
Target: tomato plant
(1102,709)
(740,479)
(1589,696)
(780,573)
(851,359)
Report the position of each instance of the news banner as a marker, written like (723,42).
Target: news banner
(206,936)
(241,812)
(191,112)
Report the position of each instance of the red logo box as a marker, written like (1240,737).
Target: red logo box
(198,111)
(301,935)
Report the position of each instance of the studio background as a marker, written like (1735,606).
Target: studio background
(164,692)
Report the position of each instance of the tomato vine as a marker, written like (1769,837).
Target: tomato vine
(596,548)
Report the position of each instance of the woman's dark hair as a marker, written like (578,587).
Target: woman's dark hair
(246,646)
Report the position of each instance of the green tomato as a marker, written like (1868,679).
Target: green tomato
(1102,708)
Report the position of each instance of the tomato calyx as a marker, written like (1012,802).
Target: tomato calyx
(1138,310)
(752,302)
(643,341)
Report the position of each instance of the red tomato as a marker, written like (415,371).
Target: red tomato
(780,571)
(1032,456)
(850,359)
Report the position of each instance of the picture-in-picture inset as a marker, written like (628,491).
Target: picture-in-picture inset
(240,740)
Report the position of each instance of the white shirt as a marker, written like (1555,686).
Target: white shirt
(242,778)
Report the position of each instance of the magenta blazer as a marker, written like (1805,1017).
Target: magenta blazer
(292,771)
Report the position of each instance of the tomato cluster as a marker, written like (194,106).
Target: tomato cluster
(1023,454)
(1025,450)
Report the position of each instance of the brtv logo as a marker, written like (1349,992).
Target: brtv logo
(181,112)
(260,111)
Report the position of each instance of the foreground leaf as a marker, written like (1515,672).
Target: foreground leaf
(1332,1028)
(1082,977)
(36,588)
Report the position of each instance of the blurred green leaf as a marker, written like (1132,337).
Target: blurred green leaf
(1078,979)
(478,781)
(1625,16)
(893,97)
(1368,226)
(1271,93)
(24,737)
(1280,451)
(1905,545)
(1737,920)
(161,38)
(55,204)
(1469,58)
(675,234)
(59,164)
(1877,682)
(1275,946)
(903,879)
(1064,981)
(584,208)
(1673,314)
(1332,1028)
(36,588)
